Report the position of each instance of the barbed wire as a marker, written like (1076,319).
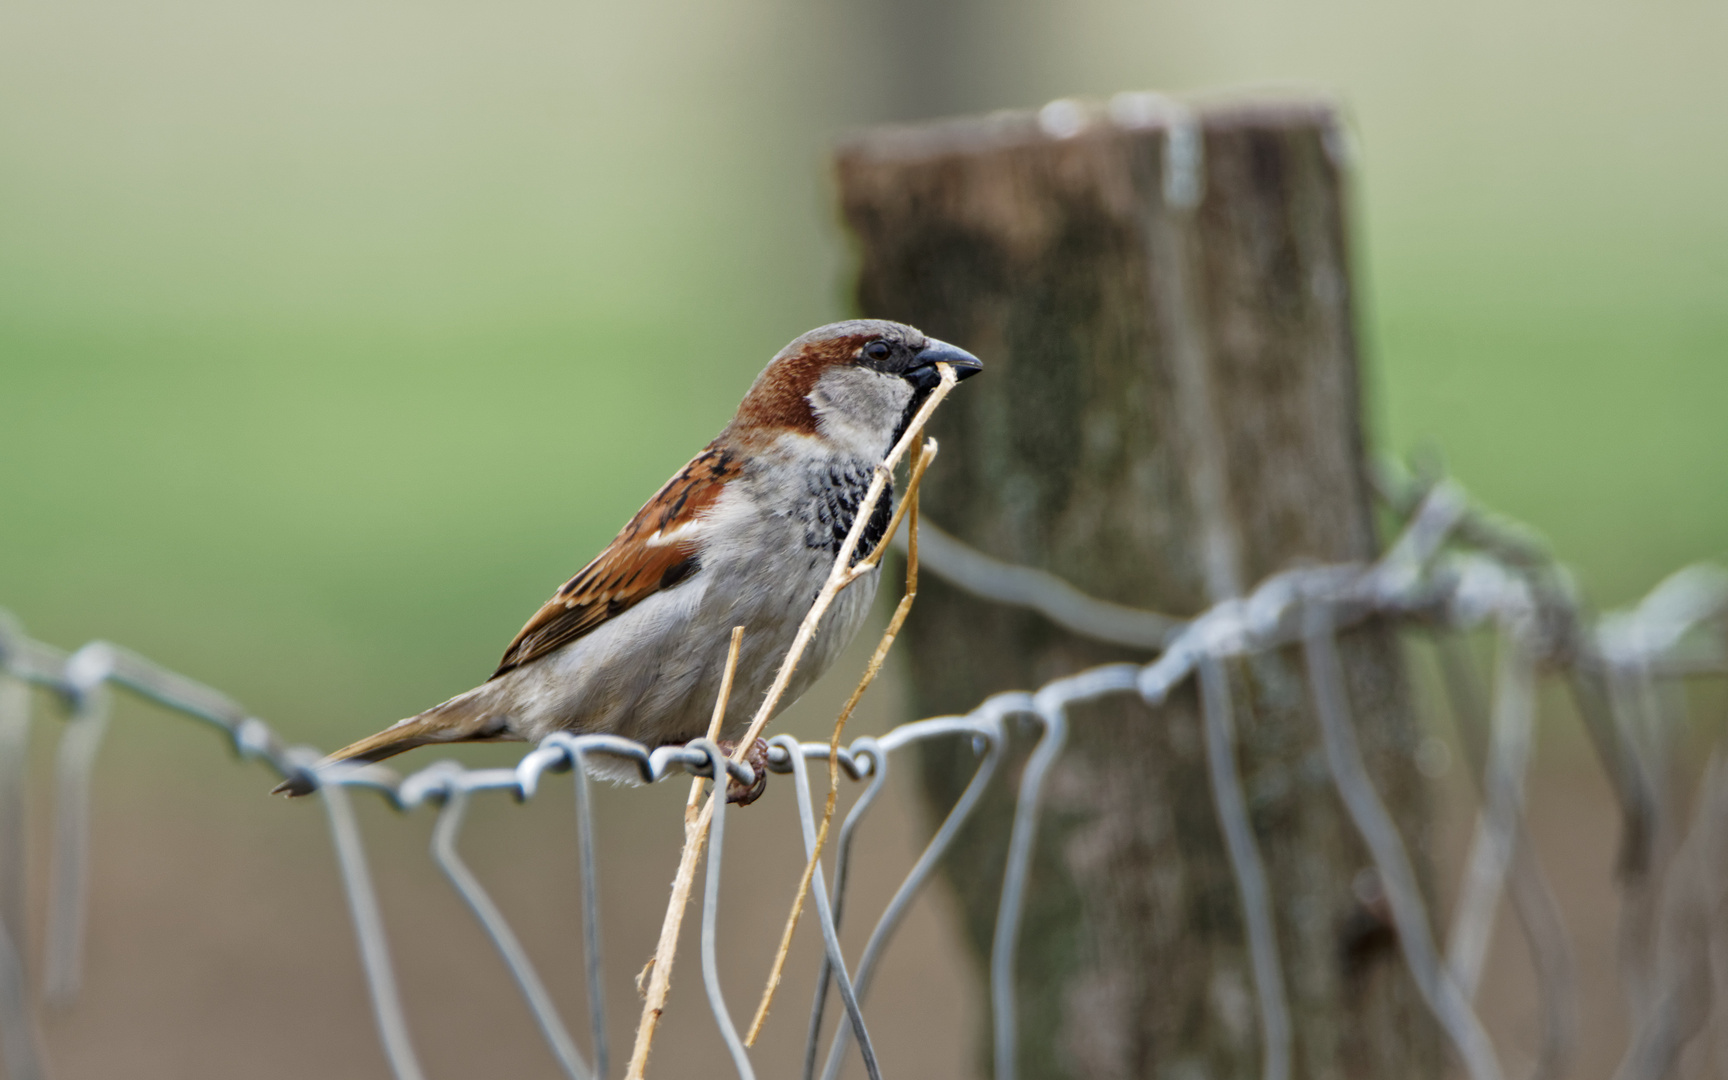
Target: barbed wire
(1452,568)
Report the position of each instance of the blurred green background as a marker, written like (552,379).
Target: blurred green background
(334,335)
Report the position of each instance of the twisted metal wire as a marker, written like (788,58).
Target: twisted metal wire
(515,957)
(987,745)
(1452,568)
(710,912)
(19,1048)
(1232,807)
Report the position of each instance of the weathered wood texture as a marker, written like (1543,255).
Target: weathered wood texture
(1169,413)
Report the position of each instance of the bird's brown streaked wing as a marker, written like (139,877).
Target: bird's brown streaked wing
(655,551)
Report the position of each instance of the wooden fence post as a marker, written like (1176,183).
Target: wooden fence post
(1169,413)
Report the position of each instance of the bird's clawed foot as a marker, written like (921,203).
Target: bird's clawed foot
(757,759)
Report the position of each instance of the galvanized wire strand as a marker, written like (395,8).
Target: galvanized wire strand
(1465,700)
(522,781)
(369,932)
(865,758)
(1510,542)
(487,913)
(14,763)
(74,763)
(969,569)
(984,727)
(168,688)
(1687,607)
(1538,913)
(1687,939)
(983,722)
(1435,518)
(83,678)
(1533,900)
(101,662)
(24,658)
(1005,939)
(1631,685)
(1512,732)
(1690,599)
(842,869)
(1670,934)
(1386,848)
(1245,864)
(901,902)
(825,913)
(1261,620)
(1633,786)
(1050,708)
(1501,855)
(20,1048)
(1513,551)
(862,748)
(19,1037)
(1642,884)
(591,955)
(710,913)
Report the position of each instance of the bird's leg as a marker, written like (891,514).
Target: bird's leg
(757,759)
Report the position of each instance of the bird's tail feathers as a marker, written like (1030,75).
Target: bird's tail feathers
(464,718)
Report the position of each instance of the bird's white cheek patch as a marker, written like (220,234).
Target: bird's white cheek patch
(858,409)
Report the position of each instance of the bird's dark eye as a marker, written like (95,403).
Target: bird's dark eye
(877,350)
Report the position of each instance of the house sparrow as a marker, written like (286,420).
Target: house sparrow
(745,534)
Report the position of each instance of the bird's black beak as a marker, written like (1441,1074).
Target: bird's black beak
(923,373)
